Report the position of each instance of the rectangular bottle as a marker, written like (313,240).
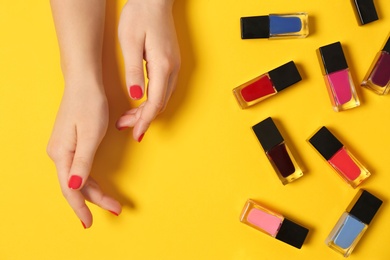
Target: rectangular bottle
(338,80)
(338,157)
(353,223)
(365,11)
(273,224)
(266,85)
(377,78)
(275,26)
(277,152)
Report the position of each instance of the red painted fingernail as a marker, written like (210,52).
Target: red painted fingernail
(113,212)
(122,128)
(84,226)
(75,182)
(135,92)
(140,137)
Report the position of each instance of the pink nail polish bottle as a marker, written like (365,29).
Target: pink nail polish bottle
(337,77)
(273,224)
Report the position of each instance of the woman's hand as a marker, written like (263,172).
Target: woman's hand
(147,32)
(80,126)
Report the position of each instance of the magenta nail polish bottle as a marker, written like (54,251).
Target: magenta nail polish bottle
(337,77)
(377,78)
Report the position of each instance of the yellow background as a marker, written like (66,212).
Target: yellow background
(184,186)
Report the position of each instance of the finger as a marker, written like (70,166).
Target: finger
(77,201)
(171,88)
(132,51)
(126,121)
(158,83)
(130,112)
(94,194)
(74,198)
(82,160)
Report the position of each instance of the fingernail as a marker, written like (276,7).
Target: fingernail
(84,226)
(135,92)
(140,137)
(75,182)
(113,212)
(122,128)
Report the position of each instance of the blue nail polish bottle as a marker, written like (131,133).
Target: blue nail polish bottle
(274,26)
(353,223)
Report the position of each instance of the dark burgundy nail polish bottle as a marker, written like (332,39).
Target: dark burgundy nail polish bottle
(277,151)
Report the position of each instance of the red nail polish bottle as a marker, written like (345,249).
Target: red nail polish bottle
(338,157)
(267,85)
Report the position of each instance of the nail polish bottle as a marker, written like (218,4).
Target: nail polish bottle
(273,224)
(378,76)
(277,152)
(275,26)
(338,157)
(337,77)
(266,85)
(365,11)
(353,223)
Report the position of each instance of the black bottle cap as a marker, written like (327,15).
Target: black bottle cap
(285,76)
(254,27)
(268,134)
(387,46)
(366,11)
(292,233)
(364,206)
(333,58)
(325,143)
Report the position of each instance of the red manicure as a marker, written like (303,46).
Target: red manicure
(122,128)
(113,212)
(75,182)
(135,92)
(140,137)
(84,226)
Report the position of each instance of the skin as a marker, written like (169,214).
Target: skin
(146,32)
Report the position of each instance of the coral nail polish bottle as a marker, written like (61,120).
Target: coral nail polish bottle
(337,77)
(266,85)
(275,26)
(353,223)
(377,78)
(273,224)
(338,157)
(278,153)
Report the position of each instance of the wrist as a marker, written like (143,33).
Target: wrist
(89,80)
(81,71)
(160,3)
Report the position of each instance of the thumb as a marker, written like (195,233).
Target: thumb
(132,51)
(82,163)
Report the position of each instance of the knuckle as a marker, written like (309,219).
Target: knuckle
(134,70)
(158,105)
(177,64)
(52,151)
(81,163)
(166,65)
